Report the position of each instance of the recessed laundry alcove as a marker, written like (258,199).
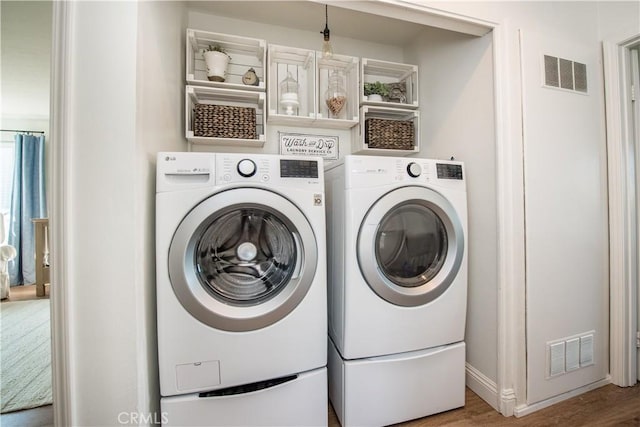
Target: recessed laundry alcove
(456,104)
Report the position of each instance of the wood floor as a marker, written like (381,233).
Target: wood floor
(36,417)
(606,406)
(603,407)
(22,293)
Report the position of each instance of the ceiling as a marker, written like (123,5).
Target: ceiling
(310,15)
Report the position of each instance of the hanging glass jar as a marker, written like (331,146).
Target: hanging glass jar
(336,94)
(289,94)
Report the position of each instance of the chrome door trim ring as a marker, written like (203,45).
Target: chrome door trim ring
(214,313)
(375,278)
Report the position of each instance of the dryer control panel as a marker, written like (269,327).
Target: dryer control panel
(449,171)
(370,171)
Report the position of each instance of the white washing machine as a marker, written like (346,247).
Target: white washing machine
(397,265)
(241,289)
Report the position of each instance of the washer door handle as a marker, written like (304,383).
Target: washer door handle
(299,256)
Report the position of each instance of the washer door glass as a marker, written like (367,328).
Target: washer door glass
(410,246)
(242,259)
(246,256)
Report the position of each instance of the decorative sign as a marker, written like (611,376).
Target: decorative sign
(309,145)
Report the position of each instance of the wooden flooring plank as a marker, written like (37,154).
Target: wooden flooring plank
(607,406)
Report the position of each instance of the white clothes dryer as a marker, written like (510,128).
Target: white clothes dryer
(397,280)
(241,289)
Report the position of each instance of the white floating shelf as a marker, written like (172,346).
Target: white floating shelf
(230,97)
(400,75)
(359,144)
(348,69)
(300,64)
(245,53)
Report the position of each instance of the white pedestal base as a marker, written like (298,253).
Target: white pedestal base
(391,389)
(299,402)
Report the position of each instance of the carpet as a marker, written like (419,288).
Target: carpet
(25,355)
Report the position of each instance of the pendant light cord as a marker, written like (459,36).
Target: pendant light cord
(326,31)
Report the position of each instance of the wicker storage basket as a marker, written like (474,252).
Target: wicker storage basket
(387,133)
(224,121)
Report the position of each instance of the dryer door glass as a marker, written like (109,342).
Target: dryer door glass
(411,245)
(246,256)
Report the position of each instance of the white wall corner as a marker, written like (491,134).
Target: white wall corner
(622,322)
(483,386)
(60,220)
(511,381)
(508,402)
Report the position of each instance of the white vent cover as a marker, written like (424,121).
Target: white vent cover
(572,354)
(556,359)
(586,350)
(565,74)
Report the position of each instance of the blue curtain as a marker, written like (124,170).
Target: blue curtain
(28,201)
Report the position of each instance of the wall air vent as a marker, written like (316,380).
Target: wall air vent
(570,354)
(565,74)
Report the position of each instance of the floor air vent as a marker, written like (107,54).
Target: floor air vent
(565,74)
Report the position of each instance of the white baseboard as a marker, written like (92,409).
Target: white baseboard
(483,386)
(507,402)
(523,410)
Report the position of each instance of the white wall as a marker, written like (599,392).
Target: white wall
(125,107)
(566,212)
(25,46)
(565,192)
(457,120)
(310,39)
(103,257)
(160,127)
(618,18)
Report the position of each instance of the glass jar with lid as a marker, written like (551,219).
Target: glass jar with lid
(336,94)
(289,88)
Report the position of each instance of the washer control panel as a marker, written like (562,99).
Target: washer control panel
(298,171)
(414,170)
(298,168)
(246,168)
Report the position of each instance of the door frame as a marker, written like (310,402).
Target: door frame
(59,208)
(622,210)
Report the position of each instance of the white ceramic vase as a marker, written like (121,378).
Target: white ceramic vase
(217,63)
